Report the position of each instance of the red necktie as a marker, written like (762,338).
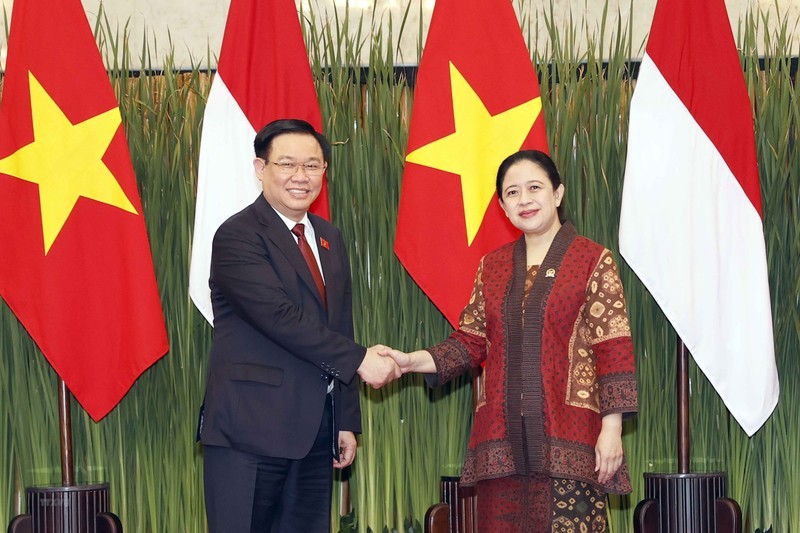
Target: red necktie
(308,255)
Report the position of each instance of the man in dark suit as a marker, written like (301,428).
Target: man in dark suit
(282,400)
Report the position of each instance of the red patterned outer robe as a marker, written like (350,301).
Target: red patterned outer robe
(557,356)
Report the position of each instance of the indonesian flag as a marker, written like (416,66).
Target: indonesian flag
(476,102)
(263,75)
(691,223)
(75,262)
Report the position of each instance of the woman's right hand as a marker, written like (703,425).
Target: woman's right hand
(419,361)
(403,359)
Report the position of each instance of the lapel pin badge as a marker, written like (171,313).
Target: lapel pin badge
(551,273)
(324,243)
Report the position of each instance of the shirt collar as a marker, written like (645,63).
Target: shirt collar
(309,229)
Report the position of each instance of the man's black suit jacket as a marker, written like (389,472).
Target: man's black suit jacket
(275,348)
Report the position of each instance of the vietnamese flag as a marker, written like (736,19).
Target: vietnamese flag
(75,264)
(476,102)
(263,75)
(691,223)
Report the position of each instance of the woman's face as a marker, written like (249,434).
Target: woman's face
(528,198)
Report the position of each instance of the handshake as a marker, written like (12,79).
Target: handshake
(383,365)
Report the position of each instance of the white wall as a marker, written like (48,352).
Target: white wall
(196,26)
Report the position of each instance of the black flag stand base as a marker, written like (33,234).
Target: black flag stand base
(68,508)
(76,509)
(686,503)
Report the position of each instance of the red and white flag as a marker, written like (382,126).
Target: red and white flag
(263,75)
(691,222)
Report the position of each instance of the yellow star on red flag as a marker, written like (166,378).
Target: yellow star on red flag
(76,267)
(478,146)
(65,160)
(476,101)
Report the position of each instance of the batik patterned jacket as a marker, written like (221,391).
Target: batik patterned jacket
(555,345)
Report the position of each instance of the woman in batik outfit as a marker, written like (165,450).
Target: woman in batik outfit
(548,324)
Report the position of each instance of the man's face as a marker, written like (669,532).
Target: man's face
(287,185)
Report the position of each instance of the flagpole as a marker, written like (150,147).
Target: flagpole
(684,464)
(65,428)
(684,502)
(82,508)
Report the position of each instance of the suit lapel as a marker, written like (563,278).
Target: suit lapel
(328,259)
(279,234)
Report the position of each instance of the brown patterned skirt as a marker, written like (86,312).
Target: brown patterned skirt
(539,504)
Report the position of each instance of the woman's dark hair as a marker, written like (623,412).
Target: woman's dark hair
(264,138)
(538,158)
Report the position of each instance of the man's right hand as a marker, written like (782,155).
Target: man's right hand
(377,370)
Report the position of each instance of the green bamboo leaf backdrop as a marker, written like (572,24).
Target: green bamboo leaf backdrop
(146,447)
